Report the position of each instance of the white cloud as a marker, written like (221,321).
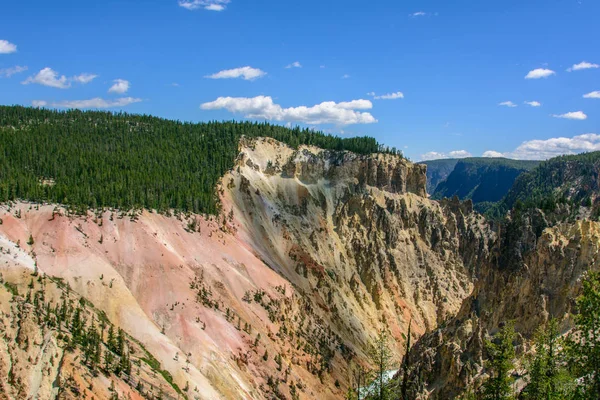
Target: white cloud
(507,104)
(583,65)
(210,5)
(592,95)
(84,78)
(51,78)
(579,115)
(533,103)
(295,64)
(93,103)
(492,154)
(418,14)
(8,72)
(119,86)
(389,96)
(434,155)
(345,76)
(263,107)
(553,147)
(459,154)
(6,47)
(39,103)
(247,73)
(540,73)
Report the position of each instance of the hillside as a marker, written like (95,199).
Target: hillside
(546,246)
(482,180)
(280,295)
(313,255)
(561,184)
(97,159)
(438,171)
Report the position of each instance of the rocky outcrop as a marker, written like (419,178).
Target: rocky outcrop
(541,283)
(357,235)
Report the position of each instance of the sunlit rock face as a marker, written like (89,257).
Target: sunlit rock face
(313,252)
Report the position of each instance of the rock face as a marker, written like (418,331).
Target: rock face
(539,284)
(357,236)
(313,253)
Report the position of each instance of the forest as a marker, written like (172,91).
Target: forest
(91,159)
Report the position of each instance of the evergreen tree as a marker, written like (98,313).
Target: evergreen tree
(406,366)
(584,342)
(548,379)
(500,362)
(381,357)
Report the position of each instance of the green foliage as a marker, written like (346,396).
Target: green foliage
(482,179)
(11,288)
(96,159)
(381,358)
(548,377)
(561,180)
(501,354)
(584,343)
(406,365)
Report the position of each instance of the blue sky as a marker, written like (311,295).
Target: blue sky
(425,76)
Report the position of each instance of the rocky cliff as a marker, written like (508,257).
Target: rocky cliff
(534,274)
(313,252)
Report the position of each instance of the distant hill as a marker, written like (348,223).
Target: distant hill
(438,171)
(483,180)
(572,181)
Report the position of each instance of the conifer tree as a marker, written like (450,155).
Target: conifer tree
(381,357)
(584,342)
(500,362)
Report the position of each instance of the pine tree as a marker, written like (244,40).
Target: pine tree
(583,344)
(499,364)
(406,365)
(548,379)
(381,357)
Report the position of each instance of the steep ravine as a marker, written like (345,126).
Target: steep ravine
(540,281)
(313,252)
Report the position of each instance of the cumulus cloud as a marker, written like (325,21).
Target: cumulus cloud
(553,147)
(578,115)
(263,107)
(91,103)
(540,73)
(6,47)
(389,96)
(247,73)
(533,103)
(583,65)
(507,104)
(492,154)
(119,86)
(8,72)
(49,77)
(435,155)
(210,5)
(417,14)
(295,64)
(592,95)
(459,154)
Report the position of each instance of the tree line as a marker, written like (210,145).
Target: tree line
(91,159)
